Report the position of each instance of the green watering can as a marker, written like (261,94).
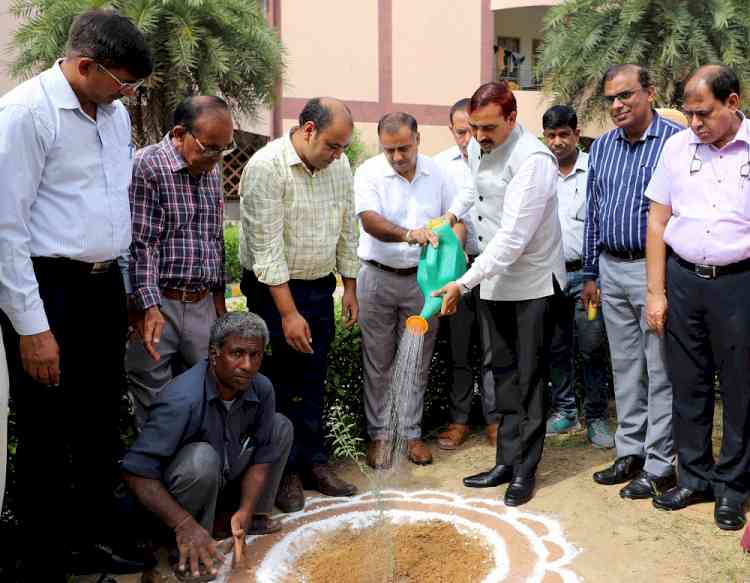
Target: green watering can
(438,266)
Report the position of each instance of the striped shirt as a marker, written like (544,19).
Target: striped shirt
(178,236)
(296,224)
(616,208)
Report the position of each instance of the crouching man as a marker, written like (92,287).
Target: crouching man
(213,442)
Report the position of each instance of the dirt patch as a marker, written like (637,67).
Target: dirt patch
(422,552)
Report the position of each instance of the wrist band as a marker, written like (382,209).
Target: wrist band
(407,237)
(183,521)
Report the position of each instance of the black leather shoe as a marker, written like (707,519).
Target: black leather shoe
(103,559)
(625,468)
(520,490)
(728,514)
(646,485)
(678,498)
(500,474)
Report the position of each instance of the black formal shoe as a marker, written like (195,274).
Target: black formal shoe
(520,490)
(728,514)
(646,485)
(103,559)
(625,468)
(500,474)
(678,498)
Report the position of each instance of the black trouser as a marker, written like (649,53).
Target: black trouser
(708,331)
(298,379)
(520,367)
(68,436)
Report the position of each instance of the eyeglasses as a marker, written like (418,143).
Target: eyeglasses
(214,152)
(128,88)
(621,97)
(697,163)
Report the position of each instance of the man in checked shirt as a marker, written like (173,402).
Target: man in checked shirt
(177,253)
(298,227)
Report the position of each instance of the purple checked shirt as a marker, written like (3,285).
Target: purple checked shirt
(709,192)
(178,237)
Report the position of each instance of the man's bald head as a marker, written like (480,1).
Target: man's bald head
(721,80)
(324,111)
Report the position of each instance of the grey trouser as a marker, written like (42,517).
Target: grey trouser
(195,480)
(4,390)
(643,393)
(385,301)
(183,342)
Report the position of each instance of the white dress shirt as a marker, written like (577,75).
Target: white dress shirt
(517,223)
(571,199)
(456,167)
(65,190)
(379,188)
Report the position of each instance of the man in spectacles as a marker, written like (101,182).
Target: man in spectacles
(620,166)
(65,159)
(177,254)
(697,297)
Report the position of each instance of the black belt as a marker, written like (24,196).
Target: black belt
(396,270)
(576,265)
(627,255)
(74,265)
(714,271)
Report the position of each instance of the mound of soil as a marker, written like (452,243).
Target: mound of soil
(422,552)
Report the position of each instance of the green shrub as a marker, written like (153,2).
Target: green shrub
(232,266)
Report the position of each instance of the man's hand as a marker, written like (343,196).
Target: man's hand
(421,237)
(297,332)
(451,294)
(349,308)
(451,218)
(41,357)
(220,304)
(656,311)
(239,523)
(590,294)
(196,546)
(150,330)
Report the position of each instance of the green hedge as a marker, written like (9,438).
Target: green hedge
(232,267)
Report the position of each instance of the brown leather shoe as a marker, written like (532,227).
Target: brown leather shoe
(379,454)
(491,432)
(453,437)
(418,452)
(263,524)
(321,478)
(290,497)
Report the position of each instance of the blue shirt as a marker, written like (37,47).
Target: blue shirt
(65,187)
(189,410)
(616,208)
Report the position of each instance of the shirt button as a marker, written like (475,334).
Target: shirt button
(479,218)
(480,237)
(481,198)
(719,180)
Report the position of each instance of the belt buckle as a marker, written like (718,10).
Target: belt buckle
(184,294)
(705,271)
(100,267)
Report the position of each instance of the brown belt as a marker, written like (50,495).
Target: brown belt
(396,270)
(184,296)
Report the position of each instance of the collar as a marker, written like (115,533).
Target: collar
(581,165)
(507,146)
(454,153)
(421,168)
(174,158)
(742,135)
(652,131)
(60,92)
(250,395)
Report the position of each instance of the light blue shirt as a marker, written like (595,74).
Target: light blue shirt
(64,190)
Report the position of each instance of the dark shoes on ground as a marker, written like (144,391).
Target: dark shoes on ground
(678,498)
(500,474)
(323,479)
(520,490)
(624,469)
(263,524)
(104,559)
(453,437)
(379,454)
(646,485)
(729,514)
(291,496)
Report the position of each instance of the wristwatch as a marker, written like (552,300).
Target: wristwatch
(463,288)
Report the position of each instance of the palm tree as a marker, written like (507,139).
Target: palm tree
(223,47)
(670,37)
